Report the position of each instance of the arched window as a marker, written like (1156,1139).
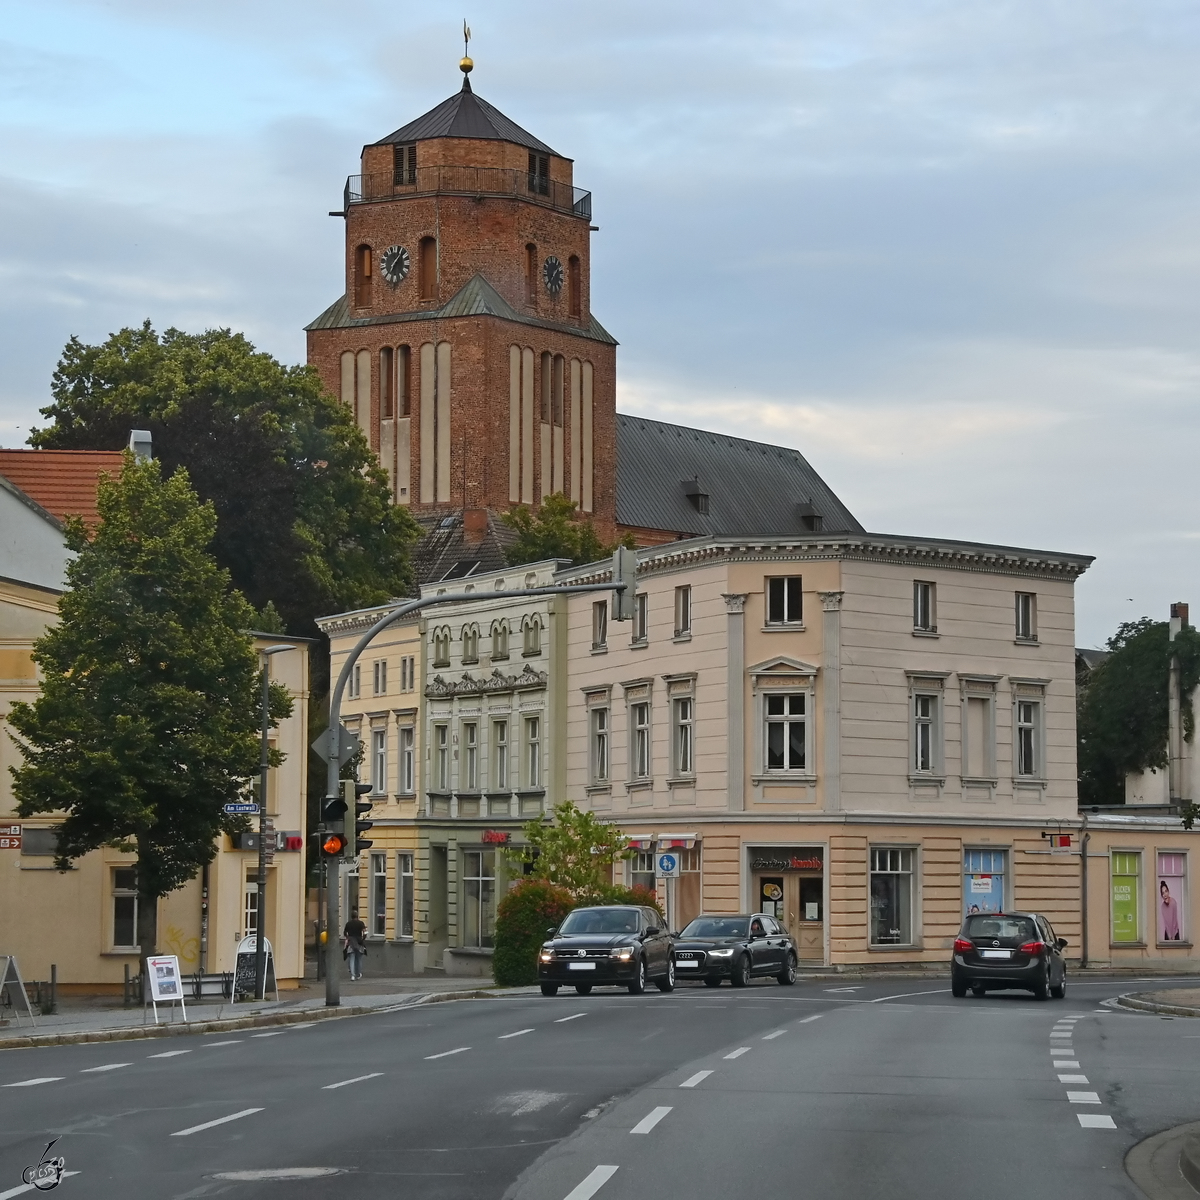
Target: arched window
(403,381)
(428,269)
(531,266)
(470,643)
(574,286)
(441,647)
(547,384)
(499,641)
(532,636)
(362,276)
(557,389)
(348,379)
(387,384)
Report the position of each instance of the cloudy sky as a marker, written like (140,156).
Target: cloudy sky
(949,250)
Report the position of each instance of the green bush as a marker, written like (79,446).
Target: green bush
(523,917)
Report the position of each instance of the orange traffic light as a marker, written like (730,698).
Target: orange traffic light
(334,843)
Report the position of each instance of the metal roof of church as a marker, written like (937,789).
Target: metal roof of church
(465,115)
(750,488)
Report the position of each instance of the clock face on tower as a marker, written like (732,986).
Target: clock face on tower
(553,275)
(395,263)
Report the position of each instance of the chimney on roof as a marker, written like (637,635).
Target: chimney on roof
(810,519)
(141,445)
(475,523)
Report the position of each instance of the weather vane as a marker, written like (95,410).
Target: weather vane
(466,64)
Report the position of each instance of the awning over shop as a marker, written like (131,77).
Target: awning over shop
(677,841)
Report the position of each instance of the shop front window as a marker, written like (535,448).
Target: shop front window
(891,897)
(479,896)
(1126,871)
(642,870)
(1172,897)
(983,881)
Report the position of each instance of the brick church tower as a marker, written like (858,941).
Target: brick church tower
(464,342)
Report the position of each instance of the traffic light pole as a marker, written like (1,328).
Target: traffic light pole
(622,587)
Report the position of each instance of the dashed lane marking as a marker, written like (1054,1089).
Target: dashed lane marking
(329,1087)
(1072,1079)
(231,1042)
(651,1119)
(505,1036)
(273,1033)
(806,1020)
(1096,1121)
(856,988)
(739,1052)
(237,1116)
(699,1077)
(905,995)
(106,1067)
(35,1082)
(446,1053)
(592,1184)
(779,1032)
(572,1017)
(169,1054)
(1083,1098)
(1061,1063)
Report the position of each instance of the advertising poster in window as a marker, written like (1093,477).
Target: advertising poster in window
(983,881)
(1172,897)
(1125,922)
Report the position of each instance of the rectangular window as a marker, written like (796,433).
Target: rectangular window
(354,685)
(682,735)
(983,881)
(379,681)
(404,164)
(1029,750)
(925,734)
(39,843)
(642,870)
(786,748)
(479,895)
(599,745)
(1172,898)
(500,755)
(924,607)
(125,907)
(683,611)
(378,761)
(539,174)
(784,600)
(600,625)
(1026,617)
(408,681)
(407,765)
(639,716)
(641,617)
(441,743)
(379,895)
(470,734)
(404,895)
(250,908)
(891,897)
(533,752)
(1126,868)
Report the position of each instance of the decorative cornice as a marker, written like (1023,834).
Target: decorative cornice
(468,685)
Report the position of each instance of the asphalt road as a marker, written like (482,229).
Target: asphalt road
(826,1089)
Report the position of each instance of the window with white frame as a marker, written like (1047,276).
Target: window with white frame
(600,625)
(479,897)
(354,686)
(378,897)
(641,617)
(250,906)
(404,894)
(682,735)
(470,643)
(785,600)
(683,611)
(1028,738)
(533,752)
(1026,616)
(378,761)
(379,676)
(441,757)
(499,641)
(926,733)
(639,724)
(892,896)
(641,870)
(470,767)
(599,748)
(125,907)
(924,606)
(532,636)
(785,719)
(408,782)
(500,755)
(1172,896)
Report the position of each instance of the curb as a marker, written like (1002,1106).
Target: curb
(1172,1010)
(1160,1165)
(259,1020)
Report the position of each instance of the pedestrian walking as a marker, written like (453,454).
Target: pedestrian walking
(354,944)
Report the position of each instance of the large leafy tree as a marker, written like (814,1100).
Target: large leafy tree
(149,714)
(555,530)
(1123,707)
(576,850)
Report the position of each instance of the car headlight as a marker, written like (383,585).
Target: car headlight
(624,953)
(720,954)
(546,956)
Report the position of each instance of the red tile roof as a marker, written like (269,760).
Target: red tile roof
(63,482)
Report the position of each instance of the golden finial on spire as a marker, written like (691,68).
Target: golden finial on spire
(466,64)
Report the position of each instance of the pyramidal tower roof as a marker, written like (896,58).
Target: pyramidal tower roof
(465,115)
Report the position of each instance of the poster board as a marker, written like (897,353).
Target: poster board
(164,982)
(243,976)
(12,984)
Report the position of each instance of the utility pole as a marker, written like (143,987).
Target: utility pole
(1175,783)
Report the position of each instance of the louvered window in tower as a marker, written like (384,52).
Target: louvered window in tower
(404,165)
(531,271)
(428,266)
(362,276)
(539,174)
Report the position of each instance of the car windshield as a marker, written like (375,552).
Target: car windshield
(600,920)
(715,927)
(1017,928)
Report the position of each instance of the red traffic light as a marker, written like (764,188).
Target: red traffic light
(334,843)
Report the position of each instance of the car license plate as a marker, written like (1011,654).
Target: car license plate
(995,953)
(582,966)
(686,962)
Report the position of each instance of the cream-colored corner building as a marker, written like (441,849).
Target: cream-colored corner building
(867,736)
(382,706)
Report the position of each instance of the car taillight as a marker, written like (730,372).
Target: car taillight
(963,946)
(1032,948)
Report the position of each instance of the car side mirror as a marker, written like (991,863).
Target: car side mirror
(550,929)
(1061,943)
(652,931)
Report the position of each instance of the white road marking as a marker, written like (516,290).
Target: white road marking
(573,1017)
(1083,1098)
(905,995)
(169,1054)
(35,1082)
(592,1184)
(273,1033)
(237,1116)
(22,1188)
(699,1077)
(1096,1121)
(106,1067)
(649,1121)
(231,1042)
(446,1053)
(505,1036)
(807,1019)
(329,1087)
(780,1032)
(1072,1079)
(739,1052)
(304,1025)
(1065,1062)
(856,988)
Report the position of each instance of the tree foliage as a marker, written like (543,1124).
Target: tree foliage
(149,713)
(1123,708)
(576,851)
(531,907)
(555,530)
(304,519)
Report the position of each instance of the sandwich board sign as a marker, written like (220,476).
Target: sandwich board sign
(243,978)
(165,984)
(13,987)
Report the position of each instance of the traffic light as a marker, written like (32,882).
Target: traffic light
(333,844)
(624,571)
(333,811)
(351,792)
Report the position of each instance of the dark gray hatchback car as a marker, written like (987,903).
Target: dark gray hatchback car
(1008,950)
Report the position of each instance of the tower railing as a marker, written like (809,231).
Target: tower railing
(468,181)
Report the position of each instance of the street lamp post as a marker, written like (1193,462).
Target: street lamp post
(264,764)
